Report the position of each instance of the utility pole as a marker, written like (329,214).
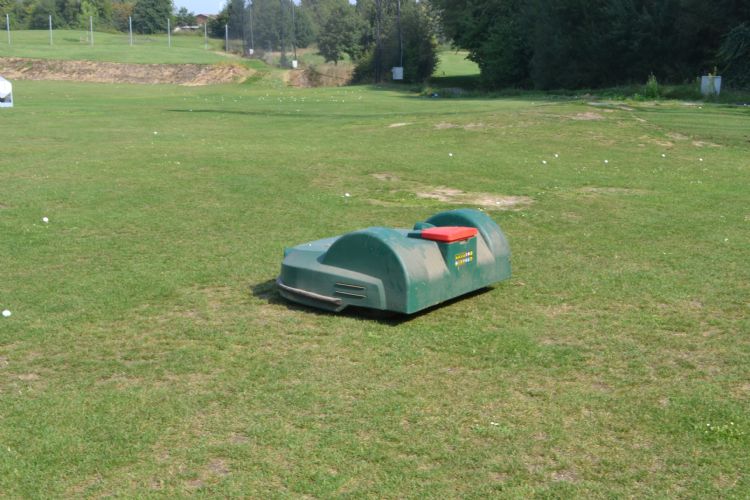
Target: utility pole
(400,38)
(252,42)
(242,27)
(378,48)
(294,33)
(282,35)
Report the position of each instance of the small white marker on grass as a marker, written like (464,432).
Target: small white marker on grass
(606,161)
(45,220)
(6,313)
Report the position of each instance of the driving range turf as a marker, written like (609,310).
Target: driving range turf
(149,354)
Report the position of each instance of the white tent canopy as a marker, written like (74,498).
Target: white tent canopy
(6,93)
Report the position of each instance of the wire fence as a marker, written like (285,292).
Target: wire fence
(179,37)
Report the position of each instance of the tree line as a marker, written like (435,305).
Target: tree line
(544,44)
(148,16)
(376,35)
(516,43)
(593,43)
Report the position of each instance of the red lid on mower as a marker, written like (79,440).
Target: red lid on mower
(448,234)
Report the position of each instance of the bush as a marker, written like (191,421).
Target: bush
(651,89)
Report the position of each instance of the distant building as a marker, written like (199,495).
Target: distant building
(201,19)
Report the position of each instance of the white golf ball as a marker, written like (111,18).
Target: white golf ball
(700,159)
(544,162)
(557,155)
(6,313)
(606,161)
(347,195)
(663,155)
(450,154)
(45,220)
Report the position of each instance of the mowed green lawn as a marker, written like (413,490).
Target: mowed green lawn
(113,47)
(455,63)
(148,353)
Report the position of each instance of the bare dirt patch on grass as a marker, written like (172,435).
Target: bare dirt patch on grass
(468,126)
(386,177)
(677,136)
(321,75)
(587,116)
(109,72)
(594,190)
(445,125)
(704,144)
(658,142)
(485,200)
(453,196)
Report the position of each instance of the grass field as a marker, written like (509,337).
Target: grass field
(148,353)
(146,49)
(454,70)
(455,63)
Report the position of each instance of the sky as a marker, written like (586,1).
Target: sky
(207,6)
(201,6)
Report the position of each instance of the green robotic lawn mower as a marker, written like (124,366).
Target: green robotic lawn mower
(450,254)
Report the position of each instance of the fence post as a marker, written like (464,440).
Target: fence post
(226,38)
(7,26)
(91,29)
(50,29)
(130,28)
(169,34)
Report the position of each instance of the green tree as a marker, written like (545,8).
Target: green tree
(150,16)
(39,15)
(589,43)
(88,10)
(236,19)
(341,34)
(184,17)
(216,24)
(304,33)
(382,41)
(121,11)
(734,55)
(319,11)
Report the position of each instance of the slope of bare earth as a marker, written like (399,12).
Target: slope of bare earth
(108,72)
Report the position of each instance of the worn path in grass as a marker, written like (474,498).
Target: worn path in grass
(149,354)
